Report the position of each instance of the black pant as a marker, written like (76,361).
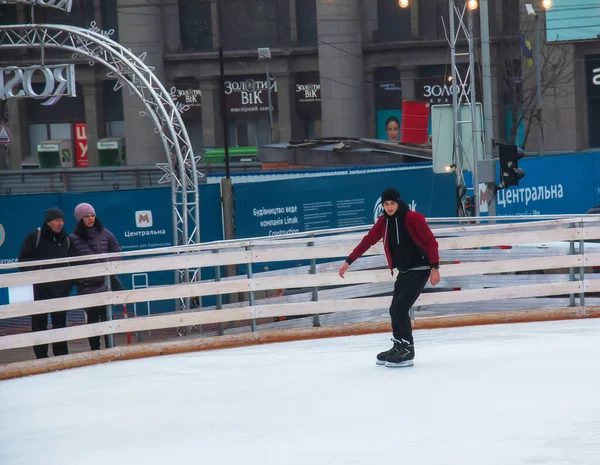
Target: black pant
(407,289)
(96,315)
(40,323)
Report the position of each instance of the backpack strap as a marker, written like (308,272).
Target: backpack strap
(39,237)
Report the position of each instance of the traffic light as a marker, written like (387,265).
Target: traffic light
(510,173)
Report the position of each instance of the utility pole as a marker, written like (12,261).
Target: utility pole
(474,122)
(538,78)
(226,184)
(484,16)
(224,118)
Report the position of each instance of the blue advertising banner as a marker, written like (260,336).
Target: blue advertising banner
(20,214)
(297,205)
(140,219)
(553,185)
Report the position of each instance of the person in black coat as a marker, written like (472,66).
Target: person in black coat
(47,242)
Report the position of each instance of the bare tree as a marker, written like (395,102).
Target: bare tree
(519,78)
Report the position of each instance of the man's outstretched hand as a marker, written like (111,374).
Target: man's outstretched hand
(435,276)
(343,269)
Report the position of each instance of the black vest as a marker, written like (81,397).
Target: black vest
(405,253)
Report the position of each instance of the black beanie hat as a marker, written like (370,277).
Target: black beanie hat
(390,194)
(54,214)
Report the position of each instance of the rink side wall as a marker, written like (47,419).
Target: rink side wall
(542,263)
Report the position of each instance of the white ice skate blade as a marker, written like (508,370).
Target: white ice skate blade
(408,363)
(381,362)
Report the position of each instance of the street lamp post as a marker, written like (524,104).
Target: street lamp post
(265,54)
(222,104)
(538,69)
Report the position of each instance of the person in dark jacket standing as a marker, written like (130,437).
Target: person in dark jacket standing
(47,242)
(90,238)
(411,247)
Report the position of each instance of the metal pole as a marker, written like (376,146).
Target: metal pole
(224,119)
(457,153)
(582,269)
(251,293)
(571,271)
(484,20)
(270,107)
(226,184)
(538,78)
(219,296)
(315,291)
(109,339)
(176,237)
(474,122)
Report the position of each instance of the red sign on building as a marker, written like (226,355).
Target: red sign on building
(81,145)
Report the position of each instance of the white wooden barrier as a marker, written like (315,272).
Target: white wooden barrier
(467,240)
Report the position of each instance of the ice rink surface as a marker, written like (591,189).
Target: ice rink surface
(506,394)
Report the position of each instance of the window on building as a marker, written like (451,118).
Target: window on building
(250,24)
(8,14)
(393,21)
(306,22)
(112,105)
(250,132)
(54,122)
(510,16)
(38,133)
(195,23)
(82,14)
(433,14)
(592,63)
(434,20)
(308,128)
(65,110)
(41,132)
(108,11)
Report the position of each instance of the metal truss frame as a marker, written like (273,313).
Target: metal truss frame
(461,95)
(131,71)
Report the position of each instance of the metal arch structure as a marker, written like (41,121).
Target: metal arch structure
(131,71)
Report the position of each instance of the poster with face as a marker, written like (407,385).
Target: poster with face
(388,103)
(388,124)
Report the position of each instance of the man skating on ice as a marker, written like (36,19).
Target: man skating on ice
(409,246)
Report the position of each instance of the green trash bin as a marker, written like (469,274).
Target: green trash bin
(55,154)
(111,151)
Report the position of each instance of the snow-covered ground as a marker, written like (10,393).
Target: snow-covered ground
(507,394)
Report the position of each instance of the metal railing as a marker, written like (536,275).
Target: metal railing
(35,181)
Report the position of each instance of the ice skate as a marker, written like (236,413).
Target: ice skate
(382,356)
(403,357)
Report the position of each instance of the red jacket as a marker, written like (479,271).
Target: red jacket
(417,229)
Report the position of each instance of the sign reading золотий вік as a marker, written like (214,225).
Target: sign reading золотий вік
(64,5)
(57,81)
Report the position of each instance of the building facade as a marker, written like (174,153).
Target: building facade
(337,69)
